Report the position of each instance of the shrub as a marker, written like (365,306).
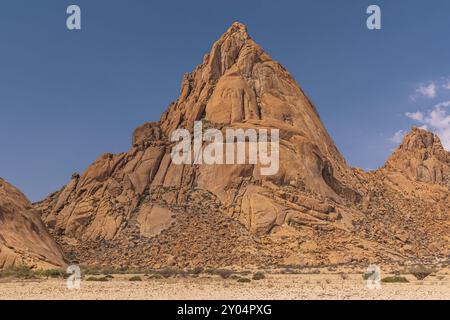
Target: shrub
(168,272)
(244,280)
(196,271)
(210,271)
(99,279)
(421,272)
(18,272)
(259,276)
(224,273)
(52,273)
(95,271)
(395,279)
(135,278)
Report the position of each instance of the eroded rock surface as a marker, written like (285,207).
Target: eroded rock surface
(140,209)
(24,239)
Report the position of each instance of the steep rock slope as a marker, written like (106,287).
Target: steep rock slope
(24,239)
(421,157)
(139,208)
(407,201)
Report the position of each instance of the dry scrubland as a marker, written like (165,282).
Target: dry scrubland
(227,285)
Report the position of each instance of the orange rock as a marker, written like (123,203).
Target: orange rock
(231,214)
(24,239)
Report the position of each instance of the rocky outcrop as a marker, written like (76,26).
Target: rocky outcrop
(141,209)
(407,201)
(421,157)
(24,239)
(238,85)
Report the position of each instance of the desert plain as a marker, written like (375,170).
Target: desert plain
(312,286)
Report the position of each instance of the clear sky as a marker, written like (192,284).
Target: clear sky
(68,96)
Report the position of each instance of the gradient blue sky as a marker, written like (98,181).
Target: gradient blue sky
(68,96)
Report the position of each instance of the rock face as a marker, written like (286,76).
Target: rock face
(24,239)
(240,86)
(140,209)
(407,201)
(421,157)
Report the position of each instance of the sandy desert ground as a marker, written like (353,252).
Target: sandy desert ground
(274,287)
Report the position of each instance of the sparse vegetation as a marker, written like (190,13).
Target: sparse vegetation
(96,271)
(298,269)
(167,272)
(245,272)
(224,273)
(259,276)
(18,272)
(196,271)
(24,272)
(394,279)
(97,279)
(210,271)
(135,278)
(421,271)
(53,273)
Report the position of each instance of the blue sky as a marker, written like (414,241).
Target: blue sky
(68,96)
